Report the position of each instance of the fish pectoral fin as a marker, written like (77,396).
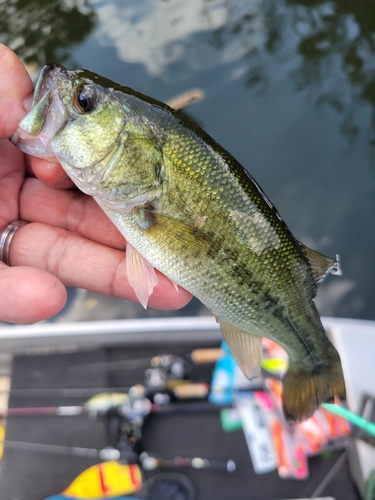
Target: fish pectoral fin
(245,347)
(141,275)
(319,264)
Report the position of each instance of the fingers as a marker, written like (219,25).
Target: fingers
(51,173)
(99,268)
(15,99)
(29,295)
(68,209)
(79,262)
(11,178)
(15,86)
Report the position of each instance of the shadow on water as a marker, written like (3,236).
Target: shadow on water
(334,42)
(340,36)
(331,45)
(290,92)
(42,31)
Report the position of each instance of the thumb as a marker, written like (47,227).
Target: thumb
(15,86)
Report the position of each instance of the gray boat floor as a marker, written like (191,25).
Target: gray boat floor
(35,475)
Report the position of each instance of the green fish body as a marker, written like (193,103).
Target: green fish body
(187,208)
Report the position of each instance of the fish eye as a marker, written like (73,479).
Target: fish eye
(85,98)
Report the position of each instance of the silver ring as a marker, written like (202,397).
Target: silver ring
(6,238)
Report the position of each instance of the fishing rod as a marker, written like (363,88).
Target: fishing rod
(151,463)
(65,392)
(125,415)
(158,401)
(165,371)
(105,454)
(164,382)
(73,411)
(171,362)
(135,402)
(147,461)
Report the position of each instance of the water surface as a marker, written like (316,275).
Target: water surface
(289,91)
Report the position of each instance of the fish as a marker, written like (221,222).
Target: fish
(187,208)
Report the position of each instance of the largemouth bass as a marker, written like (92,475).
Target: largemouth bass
(187,208)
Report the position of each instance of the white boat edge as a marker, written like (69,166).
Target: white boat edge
(130,331)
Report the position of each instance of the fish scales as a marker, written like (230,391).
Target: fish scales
(189,209)
(235,281)
(268,267)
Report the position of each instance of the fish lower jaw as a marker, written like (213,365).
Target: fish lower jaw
(35,146)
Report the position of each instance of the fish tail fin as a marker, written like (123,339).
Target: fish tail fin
(309,383)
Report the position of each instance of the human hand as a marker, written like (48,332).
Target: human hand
(69,241)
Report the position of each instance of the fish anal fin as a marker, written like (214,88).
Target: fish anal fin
(245,347)
(141,275)
(319,264)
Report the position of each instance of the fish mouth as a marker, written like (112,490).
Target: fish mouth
(46,81)
(46,116)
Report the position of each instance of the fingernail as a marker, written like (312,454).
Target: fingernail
(27,103)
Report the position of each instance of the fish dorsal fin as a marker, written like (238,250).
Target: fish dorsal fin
(245,347)
(141,275)
(319,264)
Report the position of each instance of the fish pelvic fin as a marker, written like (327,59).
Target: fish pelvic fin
(245,347)
(309,383)
(141,275)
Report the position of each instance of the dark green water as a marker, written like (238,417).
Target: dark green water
(290,92)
